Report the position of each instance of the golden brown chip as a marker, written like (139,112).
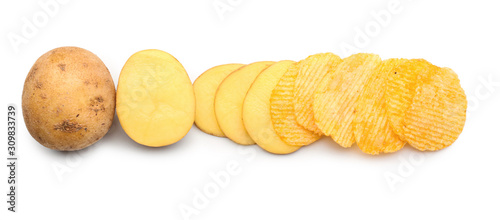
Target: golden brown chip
(335,98)
(283,115)
(437,114)
(371,127)
(311,72)
(401,87)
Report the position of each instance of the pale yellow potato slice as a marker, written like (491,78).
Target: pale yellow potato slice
(229,101)
(155,100)
(205,87)
(256,110)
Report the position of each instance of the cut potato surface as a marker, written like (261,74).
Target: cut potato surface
(256,110)
(205,87)
(312,70)
(401,87)
(336,97)
(229,101)
(283,114)
(437,114)
(371,126)
(155,99)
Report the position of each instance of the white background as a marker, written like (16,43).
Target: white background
(118,178)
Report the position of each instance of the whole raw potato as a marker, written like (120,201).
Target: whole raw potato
(68,99)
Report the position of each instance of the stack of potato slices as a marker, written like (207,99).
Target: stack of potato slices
(379,104)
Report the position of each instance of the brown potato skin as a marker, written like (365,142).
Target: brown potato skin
(68,99)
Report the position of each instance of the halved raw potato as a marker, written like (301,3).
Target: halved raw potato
(256,110)
(155,99)
(229,101)
(205,87)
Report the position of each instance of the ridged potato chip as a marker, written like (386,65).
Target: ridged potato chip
(401,87)
(312,70)
(437,114)
(282,112)
(336,97)
(371,127)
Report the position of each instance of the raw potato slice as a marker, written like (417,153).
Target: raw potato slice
(205,87)
(229,101)
(336,97)
(256,113)
(371,127)
(283,114)
(401,86)
(155,99)
(437,115)
(312,70)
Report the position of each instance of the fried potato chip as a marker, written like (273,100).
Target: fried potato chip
(371,128)
(256,110)
(282,112)
(437,114)
(336,97)
(401,86)
(311,73)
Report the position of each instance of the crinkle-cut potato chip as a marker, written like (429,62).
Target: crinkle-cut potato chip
(401,86)
(371,127)
(437,114)
(229,101)
(312,70)
(256,110)
(205,87)
(336,97)
(283,115)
